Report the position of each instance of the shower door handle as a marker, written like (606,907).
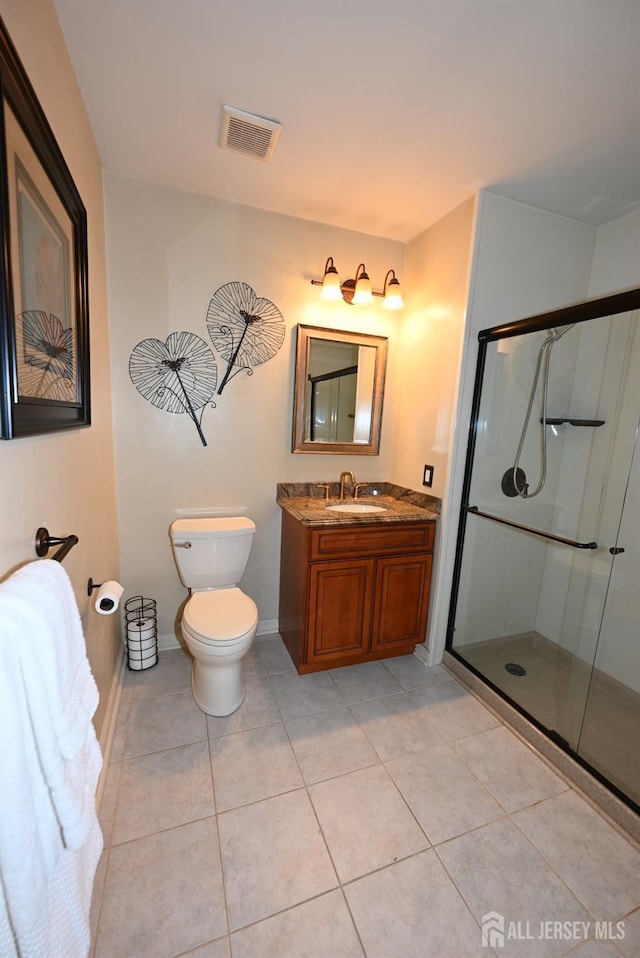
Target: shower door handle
(615,550)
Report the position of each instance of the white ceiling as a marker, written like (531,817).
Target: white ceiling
(393,111)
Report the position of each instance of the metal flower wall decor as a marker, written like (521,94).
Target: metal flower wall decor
(246,330)
(181,375)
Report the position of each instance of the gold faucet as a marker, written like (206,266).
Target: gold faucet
(344,476)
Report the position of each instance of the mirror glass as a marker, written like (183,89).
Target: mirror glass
(338,391)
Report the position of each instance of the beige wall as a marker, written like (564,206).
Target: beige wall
(430,346)
(168,253)
(66,481)
(429,353)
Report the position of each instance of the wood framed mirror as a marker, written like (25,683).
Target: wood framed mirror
(339,391)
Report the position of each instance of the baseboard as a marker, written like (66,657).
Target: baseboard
(422,652)
(109,724)
(169,641)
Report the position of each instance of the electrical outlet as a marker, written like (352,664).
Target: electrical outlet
(427,476)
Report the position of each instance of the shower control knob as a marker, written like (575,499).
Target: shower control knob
(615,550)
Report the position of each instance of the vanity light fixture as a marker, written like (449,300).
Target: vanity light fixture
(358,291)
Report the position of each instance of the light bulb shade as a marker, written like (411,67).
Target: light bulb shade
(330,282)
(331,285)
(393,295)
(392,292)
(362,293)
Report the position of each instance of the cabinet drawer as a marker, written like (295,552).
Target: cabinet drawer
(372,540)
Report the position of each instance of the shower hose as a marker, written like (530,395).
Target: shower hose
(520,484)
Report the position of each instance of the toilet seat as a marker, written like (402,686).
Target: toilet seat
(220,615)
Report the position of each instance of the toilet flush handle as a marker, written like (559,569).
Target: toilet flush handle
(182,545)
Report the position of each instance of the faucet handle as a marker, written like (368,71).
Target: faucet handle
(357,487)
(324,485)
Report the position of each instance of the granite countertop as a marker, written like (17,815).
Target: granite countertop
(306,502)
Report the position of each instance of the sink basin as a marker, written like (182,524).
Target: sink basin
(356,508)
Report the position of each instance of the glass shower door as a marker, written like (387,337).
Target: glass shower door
(610,732)
(528,620)
(542,607)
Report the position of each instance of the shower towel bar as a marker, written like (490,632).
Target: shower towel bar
(535,532)
(44,542)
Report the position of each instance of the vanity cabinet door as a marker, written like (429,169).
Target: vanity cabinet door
(340,609)
(401,600)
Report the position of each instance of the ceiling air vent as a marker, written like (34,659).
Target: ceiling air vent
(248,134)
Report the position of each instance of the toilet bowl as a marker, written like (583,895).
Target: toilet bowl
(219,628)
(219,621)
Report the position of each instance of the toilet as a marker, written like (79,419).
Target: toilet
(219,621)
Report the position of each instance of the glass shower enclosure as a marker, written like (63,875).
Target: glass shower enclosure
(545,605)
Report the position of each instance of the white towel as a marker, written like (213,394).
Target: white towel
(49,765)
(61,692)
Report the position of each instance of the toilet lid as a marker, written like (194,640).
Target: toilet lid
(220,614)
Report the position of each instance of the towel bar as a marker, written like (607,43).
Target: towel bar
(44,542)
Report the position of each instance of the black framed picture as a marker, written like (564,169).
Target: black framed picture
(44,309)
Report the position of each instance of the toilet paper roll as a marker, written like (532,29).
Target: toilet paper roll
(140,630)
(138,662)
(136,639)
(108,598)
(134,646)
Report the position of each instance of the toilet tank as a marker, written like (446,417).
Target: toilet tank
(211,553)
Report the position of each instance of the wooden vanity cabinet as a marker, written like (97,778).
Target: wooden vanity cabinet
(353,593)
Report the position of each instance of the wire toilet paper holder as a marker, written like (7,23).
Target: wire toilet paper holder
(141,625)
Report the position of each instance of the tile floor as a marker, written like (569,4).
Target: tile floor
(598,716)
(379,810)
